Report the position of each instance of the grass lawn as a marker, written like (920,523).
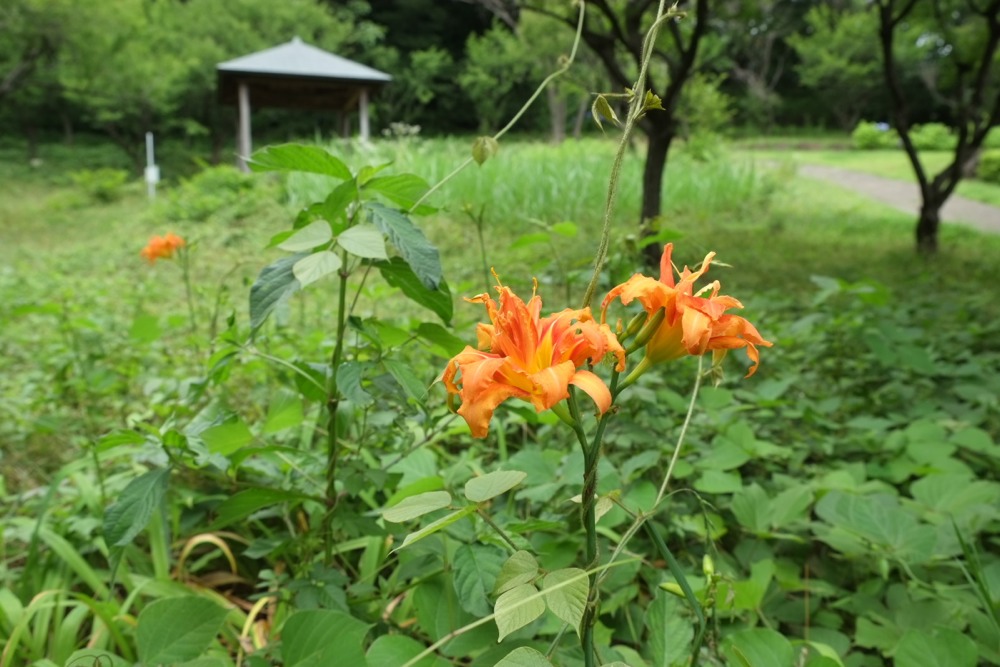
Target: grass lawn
(887,163)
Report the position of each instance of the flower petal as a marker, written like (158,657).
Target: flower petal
(595,388)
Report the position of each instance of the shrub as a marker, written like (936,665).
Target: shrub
(871,136)
(103,185)
(932,137)
(989,167)
(221,190)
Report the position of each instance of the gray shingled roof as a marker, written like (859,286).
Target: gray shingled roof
(298,59)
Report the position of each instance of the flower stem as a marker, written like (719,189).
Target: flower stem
(333,400)
(588,510)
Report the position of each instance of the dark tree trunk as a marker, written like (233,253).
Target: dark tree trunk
(660,137)
(927,228)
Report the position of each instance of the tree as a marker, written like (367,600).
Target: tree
(961,39)
(31,32)
(839,59)
(756,36)
(615,33)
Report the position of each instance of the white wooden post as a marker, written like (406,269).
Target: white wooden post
(363,113)
(243,147)
(152,173)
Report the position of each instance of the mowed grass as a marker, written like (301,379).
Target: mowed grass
(888,163)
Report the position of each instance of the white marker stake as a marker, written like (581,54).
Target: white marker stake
(152,171)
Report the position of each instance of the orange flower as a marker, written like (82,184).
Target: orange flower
(162,247)
(692,323)
(522,355)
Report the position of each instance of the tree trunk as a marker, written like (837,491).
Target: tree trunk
(581,114)
(31,135)
(927,227)
(660,137)
(68,135)
(557,114)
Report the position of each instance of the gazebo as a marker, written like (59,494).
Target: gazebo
(296,75)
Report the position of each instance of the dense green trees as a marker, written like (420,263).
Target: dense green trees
(123,67)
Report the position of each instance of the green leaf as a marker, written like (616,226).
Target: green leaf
(758,647)
(363,240)
(246,502)
(520,568)
(227,438)
(349,384)
(516,608)
(567,229)
(411,243)
(275,282)
(284,412)
(939,647)
(334,207)
(403,374)
(491,485)
(435,526)
(403,190)
(670,631)
(398,274)
(322,637)
(880,520)
(447,344)
(296,157)
(530,239)
(398,650)
(476,567)
(418,505)
(94,657)
(566,592)
(601,109)
(174,630)
(130,514)
(524,656)
(312,267)
(314,234)
(483,148)
(119,438)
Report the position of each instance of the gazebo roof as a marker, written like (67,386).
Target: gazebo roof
(298,59)
(296,74)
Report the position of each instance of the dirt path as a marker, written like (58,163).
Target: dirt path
(906,196)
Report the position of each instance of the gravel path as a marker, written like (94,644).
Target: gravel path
(906,196)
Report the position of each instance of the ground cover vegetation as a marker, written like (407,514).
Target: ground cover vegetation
(834,519)
(231,436)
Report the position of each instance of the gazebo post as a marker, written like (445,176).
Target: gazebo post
(243,147)
(363,113)
(297,75)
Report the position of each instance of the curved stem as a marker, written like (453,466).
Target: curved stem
(634,114)
(524,108)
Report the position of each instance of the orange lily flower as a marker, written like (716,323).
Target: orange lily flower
(692,323)
(522,355)
(162,247)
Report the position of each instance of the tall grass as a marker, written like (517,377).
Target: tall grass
(530,184)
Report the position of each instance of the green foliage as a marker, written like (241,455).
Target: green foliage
(102,185)
(221,192)
(989,167)
(827,489)
(872,136)
(933,137)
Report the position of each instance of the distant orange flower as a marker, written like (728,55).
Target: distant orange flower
(522,355)
(692,324)
(162,247)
